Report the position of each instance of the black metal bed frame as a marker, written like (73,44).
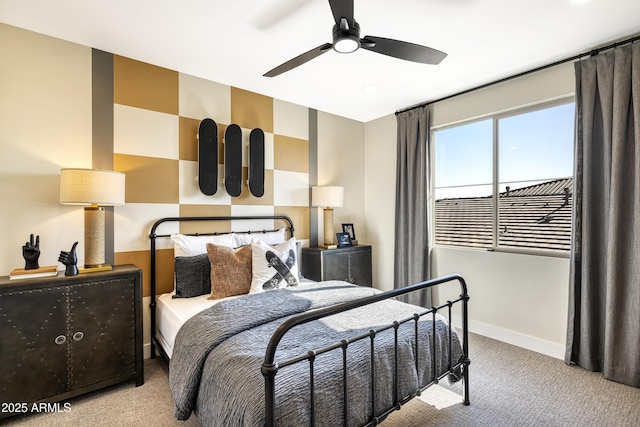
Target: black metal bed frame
(155,344)
(270,366)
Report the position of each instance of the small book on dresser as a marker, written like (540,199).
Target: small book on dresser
(21,273)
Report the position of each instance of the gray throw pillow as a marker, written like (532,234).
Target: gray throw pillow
(193,276)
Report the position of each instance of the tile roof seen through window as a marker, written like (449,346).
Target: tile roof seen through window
(533,217)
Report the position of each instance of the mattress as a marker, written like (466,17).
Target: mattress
(172,313)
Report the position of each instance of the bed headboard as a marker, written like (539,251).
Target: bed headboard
(153,235)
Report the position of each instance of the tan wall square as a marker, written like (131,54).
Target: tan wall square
(143,85)
(142,259)
(188,138)
(250,110)
(300,217)
(246,198)
(205,210)
(291,154)
(148,179)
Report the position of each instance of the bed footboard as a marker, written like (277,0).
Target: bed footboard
(270,366)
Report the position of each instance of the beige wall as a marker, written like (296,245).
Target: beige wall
(380,196)
(341,162)
(45,124)
(550,84)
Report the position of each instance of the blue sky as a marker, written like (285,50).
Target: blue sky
(533,147)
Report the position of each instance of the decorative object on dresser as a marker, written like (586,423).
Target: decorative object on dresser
(351,264)
(70,260)
(31,253)
(95,188)
(31,270)
(70,335)
(328,197)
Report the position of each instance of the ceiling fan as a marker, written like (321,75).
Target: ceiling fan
(346,39)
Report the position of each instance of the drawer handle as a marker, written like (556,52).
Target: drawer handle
(60,339)
(78,336)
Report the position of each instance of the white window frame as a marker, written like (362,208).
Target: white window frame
(495,117)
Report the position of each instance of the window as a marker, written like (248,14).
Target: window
(506,181)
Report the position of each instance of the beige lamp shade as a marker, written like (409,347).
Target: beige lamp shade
(94,189)
(91,187)
(327,196)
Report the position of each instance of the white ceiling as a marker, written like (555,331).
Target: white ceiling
(235,42)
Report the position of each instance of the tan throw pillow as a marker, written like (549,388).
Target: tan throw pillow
(230,270)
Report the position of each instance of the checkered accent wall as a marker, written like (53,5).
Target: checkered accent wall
(156,113)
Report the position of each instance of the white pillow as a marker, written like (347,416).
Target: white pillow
(270,237)
(184,245)
(273,266)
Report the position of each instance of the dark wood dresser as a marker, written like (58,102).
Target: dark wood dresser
(65,336)
(351,264)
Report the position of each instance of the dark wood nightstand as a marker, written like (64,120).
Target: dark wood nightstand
(65,336)
(351,264)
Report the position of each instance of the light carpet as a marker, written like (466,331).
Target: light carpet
(509,386)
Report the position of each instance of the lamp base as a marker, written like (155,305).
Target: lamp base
(329,236)
(94,222)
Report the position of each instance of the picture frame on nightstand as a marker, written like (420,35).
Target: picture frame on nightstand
(343,240)
(348,228)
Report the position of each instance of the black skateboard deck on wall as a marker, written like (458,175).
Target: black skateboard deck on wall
(256,162)
(233,160)
(208,157)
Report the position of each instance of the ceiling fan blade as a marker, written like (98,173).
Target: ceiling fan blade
(342,9)
(403,50)
(299,60)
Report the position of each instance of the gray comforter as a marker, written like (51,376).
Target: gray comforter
(215,368)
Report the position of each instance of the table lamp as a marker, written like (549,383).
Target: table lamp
(328,197)
(94,189)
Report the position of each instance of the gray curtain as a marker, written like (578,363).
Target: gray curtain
(411,263)
(604,295)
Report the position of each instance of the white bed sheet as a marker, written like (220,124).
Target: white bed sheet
(172,313)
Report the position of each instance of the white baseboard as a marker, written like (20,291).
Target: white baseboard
(518,339)
(146,351)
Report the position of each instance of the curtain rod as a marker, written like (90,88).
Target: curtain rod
(592,52)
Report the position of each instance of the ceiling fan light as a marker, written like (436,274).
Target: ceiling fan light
(346,45)
(346,38)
